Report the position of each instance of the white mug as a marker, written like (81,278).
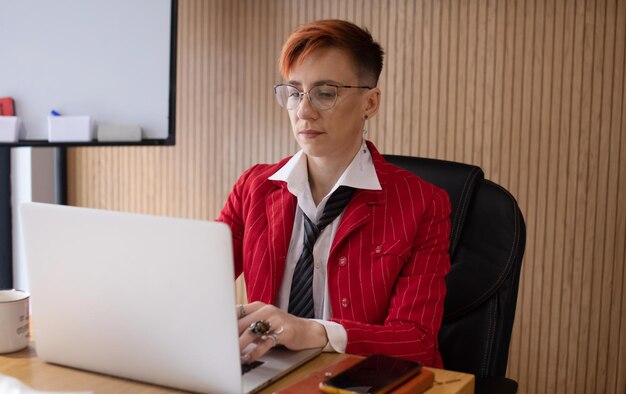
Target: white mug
(14,330)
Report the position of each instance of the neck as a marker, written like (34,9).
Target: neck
(324,173)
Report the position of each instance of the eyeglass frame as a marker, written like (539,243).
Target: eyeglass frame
(301,93)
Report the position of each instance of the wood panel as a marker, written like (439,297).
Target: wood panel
(533,91)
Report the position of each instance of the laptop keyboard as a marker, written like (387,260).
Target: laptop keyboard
(245,368)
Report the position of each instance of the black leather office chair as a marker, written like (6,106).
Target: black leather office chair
(487,243)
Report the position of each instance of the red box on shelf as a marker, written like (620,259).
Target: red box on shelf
(6,107)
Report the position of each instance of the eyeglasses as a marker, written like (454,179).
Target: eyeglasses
(322,97)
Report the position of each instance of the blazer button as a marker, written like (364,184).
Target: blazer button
(379,249)
(345,302)
(343,261)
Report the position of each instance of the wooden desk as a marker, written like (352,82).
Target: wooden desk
(39,375)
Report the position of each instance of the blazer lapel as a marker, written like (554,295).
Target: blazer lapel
(280,208)
(359,210)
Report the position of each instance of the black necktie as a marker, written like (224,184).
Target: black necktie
(301,296)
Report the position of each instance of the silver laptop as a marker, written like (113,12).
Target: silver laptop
(141,297)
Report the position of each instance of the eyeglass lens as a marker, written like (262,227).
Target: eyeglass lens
(322,96)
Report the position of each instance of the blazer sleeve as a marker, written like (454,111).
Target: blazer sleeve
(415,309)
(233,215)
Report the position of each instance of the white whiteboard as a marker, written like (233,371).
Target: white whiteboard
(109,59)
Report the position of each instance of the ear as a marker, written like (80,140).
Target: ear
(372,102)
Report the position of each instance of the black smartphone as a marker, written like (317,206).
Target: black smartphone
(376,374)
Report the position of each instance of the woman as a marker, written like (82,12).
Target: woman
(361,270)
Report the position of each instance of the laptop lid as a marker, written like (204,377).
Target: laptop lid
(142,297)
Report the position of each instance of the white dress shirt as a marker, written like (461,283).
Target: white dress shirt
(360,174)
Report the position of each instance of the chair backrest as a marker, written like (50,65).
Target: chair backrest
(487,243)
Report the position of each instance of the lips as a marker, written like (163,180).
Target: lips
(309,133)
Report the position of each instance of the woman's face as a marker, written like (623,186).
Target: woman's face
(335,133)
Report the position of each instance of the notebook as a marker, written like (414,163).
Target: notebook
(141,297)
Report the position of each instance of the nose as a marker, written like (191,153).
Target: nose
(305,108)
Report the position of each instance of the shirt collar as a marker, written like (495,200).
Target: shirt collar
(360,174)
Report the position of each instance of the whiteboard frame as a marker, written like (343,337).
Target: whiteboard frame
(33,107)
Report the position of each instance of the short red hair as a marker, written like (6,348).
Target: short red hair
(366,53)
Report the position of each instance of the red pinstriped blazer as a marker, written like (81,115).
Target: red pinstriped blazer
(387,263)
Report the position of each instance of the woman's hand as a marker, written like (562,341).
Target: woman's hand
(293,332)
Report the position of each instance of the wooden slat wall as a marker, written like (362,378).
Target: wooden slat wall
(533,91)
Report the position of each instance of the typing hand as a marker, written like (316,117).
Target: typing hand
(263,326)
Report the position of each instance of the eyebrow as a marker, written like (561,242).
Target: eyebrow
(316,83)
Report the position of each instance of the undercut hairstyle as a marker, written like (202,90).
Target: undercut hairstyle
(367,54)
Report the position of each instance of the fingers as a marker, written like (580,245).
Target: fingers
(241,311)
(276,327)
(253,307)
(263,345)
(262,340)
(260,330)
(255,313)
(249,313)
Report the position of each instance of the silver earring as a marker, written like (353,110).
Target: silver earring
(365,125)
